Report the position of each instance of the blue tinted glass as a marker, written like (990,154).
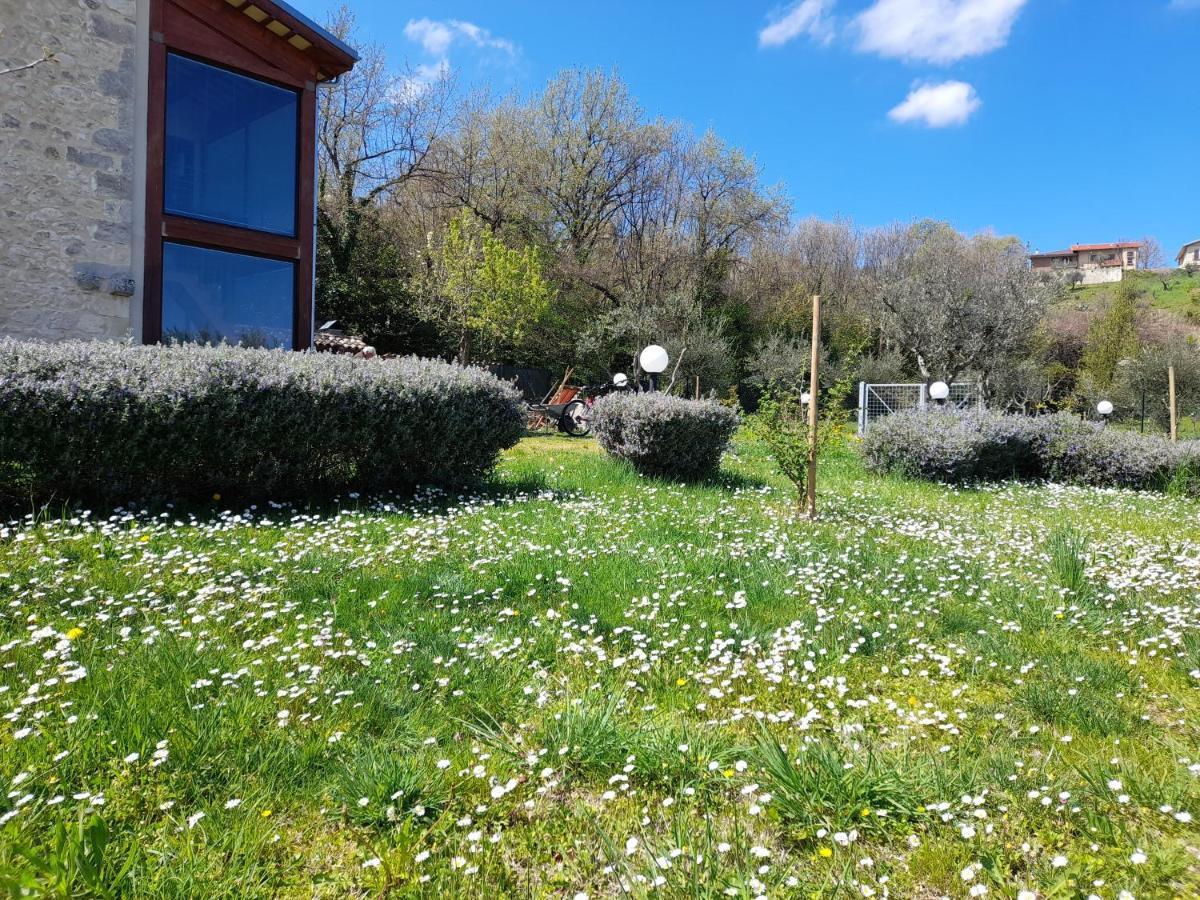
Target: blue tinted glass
(211,296)
(230,148)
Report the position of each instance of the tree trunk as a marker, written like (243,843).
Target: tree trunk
(464,348)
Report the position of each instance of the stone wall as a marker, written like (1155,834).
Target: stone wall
(68,180)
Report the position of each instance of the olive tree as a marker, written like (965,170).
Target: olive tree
(951,303)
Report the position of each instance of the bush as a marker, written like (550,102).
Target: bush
(115,423)
(663,435)
(958,447)
(1112,458)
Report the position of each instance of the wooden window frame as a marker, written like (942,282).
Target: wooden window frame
(211,32)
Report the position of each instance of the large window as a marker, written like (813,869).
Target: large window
(230,148)
(212,296)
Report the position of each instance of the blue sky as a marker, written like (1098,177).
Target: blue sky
(1061,121)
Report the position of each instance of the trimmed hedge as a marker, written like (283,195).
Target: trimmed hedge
(663,435)
(958,447)
(113,423)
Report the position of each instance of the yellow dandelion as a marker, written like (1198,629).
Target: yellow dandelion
(680,682)
(266,814)
(143,539)
(74,633)
(825,852)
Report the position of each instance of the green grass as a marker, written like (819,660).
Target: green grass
(1180,296)
(579,680)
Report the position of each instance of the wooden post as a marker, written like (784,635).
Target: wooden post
(814,385)
(1174,409)
(697,387)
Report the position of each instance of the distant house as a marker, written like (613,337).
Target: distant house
(1189,255)
(1097,263)
(158,175)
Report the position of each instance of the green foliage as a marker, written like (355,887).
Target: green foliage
(820,785)
(1112,337)
(484,291)
(379,789)
(78,861)
(781,423)
(1068,560)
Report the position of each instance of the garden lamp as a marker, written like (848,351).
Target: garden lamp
(653,360)
(620,380)
(1105,408)
(805,397)
(939,391)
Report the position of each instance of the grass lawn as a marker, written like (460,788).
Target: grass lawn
(1180,296)
(580,682)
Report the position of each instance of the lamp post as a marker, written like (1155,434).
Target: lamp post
(1105,409)
(653,360)
(938,392)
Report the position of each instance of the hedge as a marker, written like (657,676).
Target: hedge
(662,435)
(959,447)
(104,421)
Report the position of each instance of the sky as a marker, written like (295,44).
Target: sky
(1059,121)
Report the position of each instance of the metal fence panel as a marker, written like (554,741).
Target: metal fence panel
(878,400)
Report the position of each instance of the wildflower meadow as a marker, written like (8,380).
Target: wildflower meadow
(576,681)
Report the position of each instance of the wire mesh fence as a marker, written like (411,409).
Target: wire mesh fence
(878,400)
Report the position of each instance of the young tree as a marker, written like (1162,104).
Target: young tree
(1112,337)
(483,291)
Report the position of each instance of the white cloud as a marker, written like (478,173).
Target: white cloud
(435,37)
(419,79)
(938,105)
(803,17)
(936,31)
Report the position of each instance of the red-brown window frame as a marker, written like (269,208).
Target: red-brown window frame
(190,28)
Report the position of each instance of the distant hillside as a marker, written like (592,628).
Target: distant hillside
(1179,296)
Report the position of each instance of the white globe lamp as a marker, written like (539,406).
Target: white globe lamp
(805,397)
(939,391)
(1105,408)
(653,360)
(620,380)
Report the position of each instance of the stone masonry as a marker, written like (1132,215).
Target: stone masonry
(67,180)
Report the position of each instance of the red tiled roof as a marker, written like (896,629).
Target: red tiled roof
(1122,245)
(1052,253)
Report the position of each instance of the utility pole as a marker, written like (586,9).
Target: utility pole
(814,385)
(1174,409)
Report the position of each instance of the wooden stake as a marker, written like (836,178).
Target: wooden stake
(697,387)
(1174,409)
(813,388)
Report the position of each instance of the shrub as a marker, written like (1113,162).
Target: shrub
(957,447)
(663,435)
(935,445)
(1112,458)
(114,423)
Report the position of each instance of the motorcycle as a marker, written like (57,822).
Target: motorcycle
(572,408)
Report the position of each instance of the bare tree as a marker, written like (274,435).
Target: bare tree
(954,304)
(1151,256)
(376,132)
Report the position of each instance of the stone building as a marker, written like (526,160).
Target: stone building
(156,170)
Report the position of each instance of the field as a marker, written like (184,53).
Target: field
(576,682)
